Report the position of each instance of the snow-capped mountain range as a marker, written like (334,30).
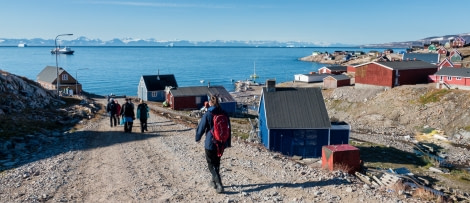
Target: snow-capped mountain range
(421,42)
(84,41)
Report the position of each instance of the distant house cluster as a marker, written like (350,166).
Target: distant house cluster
(389,69)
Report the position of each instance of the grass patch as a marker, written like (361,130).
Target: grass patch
(428,130)
(380,156)
(467,128)
(432,96)
(459,175)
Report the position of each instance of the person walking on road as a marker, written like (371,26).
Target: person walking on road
(127,112)
(143,115)
(118,112)
(111,108)
(213,155)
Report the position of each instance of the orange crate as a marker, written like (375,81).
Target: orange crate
(341,157)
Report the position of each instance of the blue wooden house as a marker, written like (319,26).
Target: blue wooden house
(294,121)
(152,87)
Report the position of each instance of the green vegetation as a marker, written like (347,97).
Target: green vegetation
(432,96)
(380,156)
(428,130)
(467,128)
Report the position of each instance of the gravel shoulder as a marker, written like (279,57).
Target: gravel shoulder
(102,164)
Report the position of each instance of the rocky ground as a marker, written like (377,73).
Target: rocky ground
(93,162)
(99,163)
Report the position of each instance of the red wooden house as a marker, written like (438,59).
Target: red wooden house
(445,63)
(442,51)
(185,98)
(393,73)
(453,78)
(458,42)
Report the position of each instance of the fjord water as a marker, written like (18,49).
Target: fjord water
(117,70)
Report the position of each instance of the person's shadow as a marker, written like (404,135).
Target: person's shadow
(248,188)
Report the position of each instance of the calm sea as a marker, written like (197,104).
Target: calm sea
(117,70)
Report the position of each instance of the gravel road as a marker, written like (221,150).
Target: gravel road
(99,163)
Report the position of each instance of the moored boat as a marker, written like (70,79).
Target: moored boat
(65,50)
(22,45)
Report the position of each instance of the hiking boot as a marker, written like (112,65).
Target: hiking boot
(219,188)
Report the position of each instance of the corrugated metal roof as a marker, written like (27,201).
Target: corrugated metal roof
(220,91)
(339,77)
(49,74)
(428,57)
(337,68)
(447,71)
(295,108)
(159,82)
(406,65)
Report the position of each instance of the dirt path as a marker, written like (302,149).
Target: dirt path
(165,164)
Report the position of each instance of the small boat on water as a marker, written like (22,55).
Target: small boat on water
(254,76)
(65,50)
(22,45)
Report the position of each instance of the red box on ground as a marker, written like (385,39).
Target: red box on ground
(341,157)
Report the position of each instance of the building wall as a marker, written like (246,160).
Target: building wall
(263,133)
(415,76)
(229,107)
(453,80)
(180,103)
(329,83)
(306,143)
(373,74)
(351,69)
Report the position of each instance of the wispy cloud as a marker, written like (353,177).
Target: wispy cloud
(162,5)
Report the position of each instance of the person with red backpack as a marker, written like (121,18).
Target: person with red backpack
(216,125)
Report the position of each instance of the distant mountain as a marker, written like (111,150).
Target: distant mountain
(83,41)
(407,44)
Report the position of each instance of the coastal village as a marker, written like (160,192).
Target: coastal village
(316,148)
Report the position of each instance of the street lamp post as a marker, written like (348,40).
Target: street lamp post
(57,63)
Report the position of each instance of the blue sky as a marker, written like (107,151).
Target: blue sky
(330,21)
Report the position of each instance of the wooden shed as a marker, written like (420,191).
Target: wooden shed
(152,87)
(335,81)
(393,73)
(308,78)
(294,121)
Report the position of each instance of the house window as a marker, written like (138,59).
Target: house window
(458,78)
(154,94)
(449,78)
(441,78)
(65,77)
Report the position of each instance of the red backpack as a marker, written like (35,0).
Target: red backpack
(220,132)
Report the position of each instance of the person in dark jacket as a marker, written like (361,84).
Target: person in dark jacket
(111,108)
(127,112)
(143,115)
(205,126)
